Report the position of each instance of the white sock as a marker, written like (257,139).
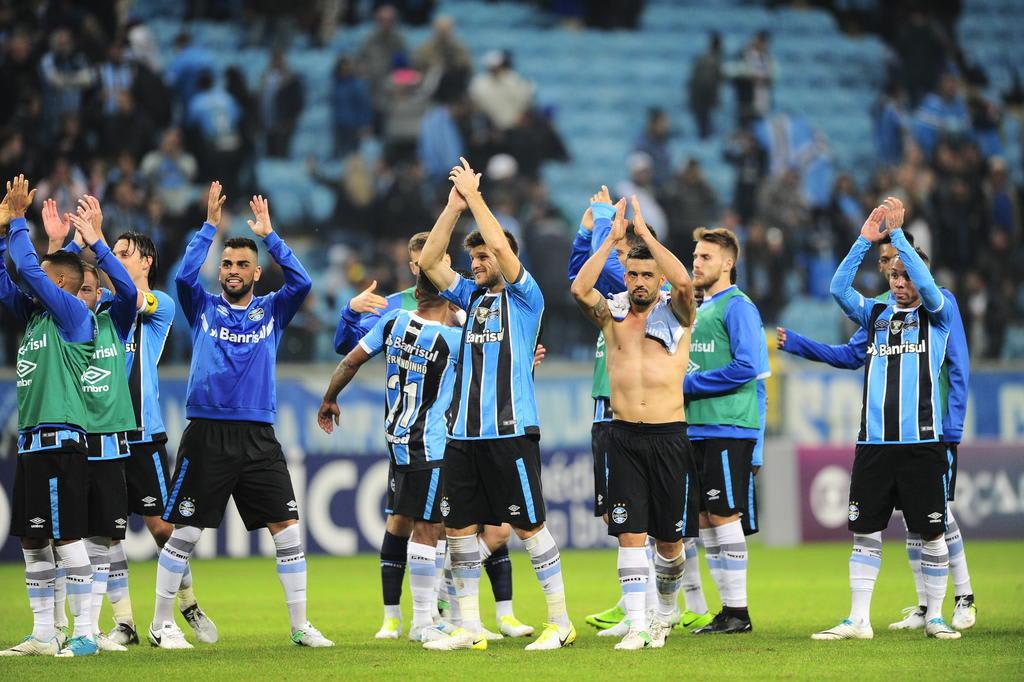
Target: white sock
(547,564)
(651,593)
(914,558)
(865,562)
(455,617)
(633,572)
(669,578)
(439,585)
(935,567)
(713,555)
(291,571)
(74,559)
(40,574)
(733,554)
(693,591)
(422,572)
(465,554)
(957,557)
(117,585)
(60,599)
(99,556)
(170,566)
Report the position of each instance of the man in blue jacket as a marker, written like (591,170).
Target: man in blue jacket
(229,448)
(953,387)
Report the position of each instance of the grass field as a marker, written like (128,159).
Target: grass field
(793,592)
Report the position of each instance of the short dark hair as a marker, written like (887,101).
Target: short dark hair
(426,292)
(924,256)
(144,245)
(887,239)
(418,241)
(65,259)
(722,236)
(475,239)
(632,239)
(639,252)
(241,243)
(89,267)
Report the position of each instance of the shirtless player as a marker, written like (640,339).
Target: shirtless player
(652,483)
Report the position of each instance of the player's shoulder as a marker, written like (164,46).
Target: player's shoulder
(162,298)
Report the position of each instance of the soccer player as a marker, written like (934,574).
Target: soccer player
(492,462)
(900,459)
(725,420)
(953,378)
(650,461)
(229,448)
(51,483)
(422,348)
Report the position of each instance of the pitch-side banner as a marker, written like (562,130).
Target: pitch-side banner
(989,492)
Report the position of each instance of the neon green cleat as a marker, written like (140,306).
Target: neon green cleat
(606,619)
(510,626)
(691,621)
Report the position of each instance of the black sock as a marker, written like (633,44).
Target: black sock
(499,571)
(392,567)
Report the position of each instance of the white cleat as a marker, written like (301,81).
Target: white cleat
(511,626)
(206,631)
(620,629)
(965,614)
(635,639)
(391,629)
(124,634)
(913,619)
(106,644)
(460,639)
(432,633)
(30,646)
(845,630)
(309,636)
(659,631)
(491,636)
(553,636)
(168,636)
(938,629)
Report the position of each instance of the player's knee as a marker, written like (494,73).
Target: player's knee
(523,532)
(34,543)
(426,533)
(669,550)
(496,536)
(278,526)
(632,540)
(931,536)
(400,525)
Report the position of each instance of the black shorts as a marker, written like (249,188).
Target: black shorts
(951,470)
(652,481)
(599,445)
(725,475)
(221,459)
(108,499)
(147,475)
(415,493)
(492,481)
(51,497)
(911,477)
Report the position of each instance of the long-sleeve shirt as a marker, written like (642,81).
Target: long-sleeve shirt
(124,303)
(353,326)
(233,372)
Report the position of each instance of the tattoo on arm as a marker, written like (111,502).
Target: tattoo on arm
(599,310)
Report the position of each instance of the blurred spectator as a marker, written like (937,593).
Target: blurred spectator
(18,73)
(1003,202)
(922,48)
(444,51)
(66,74)
(72,142)
(125,168)
(169,172)
(654,142)
(891,120)
(408,97)
(401,206)
(641,183)
(752,75)
(942,113)
(532,142)
(214,122)
(115,76)
(127,129)
(690,202)
(702,88)
(750,163)
(142,45)
(281,102)
(186,67)
(500,92)
(440,142)
(781,204)
(352,111)
(377,55)
(64,184)
(124,212)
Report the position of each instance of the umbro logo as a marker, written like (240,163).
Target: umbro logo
(936,517)
(120,523)
(222,310)
(36,522)
(148,501)
(25,367)
(713,494)
(93,375)
(293,505)
(513,509)
(881,324)
(679,525)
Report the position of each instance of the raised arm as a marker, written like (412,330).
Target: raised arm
(329,414)
(849,355)
(467,182)
(190,291)
(594,305)
(746,335)
(56,227)
(959,363)
(580,249)
(297,284)
(432,256)
(853,304)
(358,317)
(682,301)
(13,298)
(917,270)
(126,295)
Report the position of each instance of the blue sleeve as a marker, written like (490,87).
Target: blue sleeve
(762,409)
(743,323)
(460,291)
(852,302)
(13,298)
(580,253)
(126,295)
(849,355)
(959,362)
(931,295)
(612,279)
(374,342)
(353,326)
(526,290)
(72,316)
(73,247)
(297,284)
(191,295)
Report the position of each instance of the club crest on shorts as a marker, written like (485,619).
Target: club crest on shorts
(256,314)
(619,514)
(854,511)
(187,508)
(445,507)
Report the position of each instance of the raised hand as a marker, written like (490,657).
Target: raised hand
(872,229)
(328,416)
(261,227)
(456,201)
(55,225)
(780,337)
(214,201)
(587,221)
(5,216)
(538,355)
(91,205)
(368,301)
(603,196)
(618,231)
(639,225)
(84,225)
(18,198)
(465,179)
(894,213)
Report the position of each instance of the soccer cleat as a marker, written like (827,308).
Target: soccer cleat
(938,629)
(620,629)
(659,631)
(690,620)
(206,631)
(432,633)
(726,624)
(511,626)
(553,637)
(460,639)
(446,626)
(913,619)
(30,646)
(309,636)
(123,634)
(845,630)
(62,635)
(416,631)
(168,636)
(79,646)
(443,607)
(606,619)
(391,629)
(635,639)
(491,636)
(965,614)
(106,644)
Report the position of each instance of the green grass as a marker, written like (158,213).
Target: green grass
(793,592)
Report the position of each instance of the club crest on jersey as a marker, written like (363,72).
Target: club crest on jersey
(256,314)
(896,326)
(482,314)
(187,508)
(445,508)
(619,514)
(853,512)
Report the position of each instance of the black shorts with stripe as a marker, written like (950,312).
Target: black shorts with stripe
(415,493)
(912,477)
(726,478)
(51,486)
(599,446)
(147,475)
(108,499)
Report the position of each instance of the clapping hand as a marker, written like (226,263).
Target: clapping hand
(261,227)
(872,229)
(214,201)
(466,181)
